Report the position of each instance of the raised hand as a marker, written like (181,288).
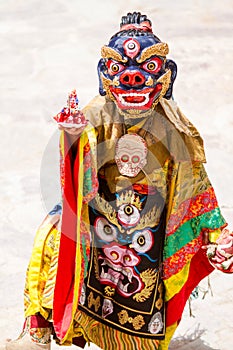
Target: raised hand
(71,119)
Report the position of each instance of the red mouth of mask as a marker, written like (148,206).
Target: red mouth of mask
(136,99)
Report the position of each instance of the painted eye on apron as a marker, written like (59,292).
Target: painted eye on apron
(104,230)
(128,215)
(128,209)
(142,241)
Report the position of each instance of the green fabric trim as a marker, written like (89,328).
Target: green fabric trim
(191,229)
(85,257)
(87,187)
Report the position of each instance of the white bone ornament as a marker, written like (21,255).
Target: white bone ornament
(131,153)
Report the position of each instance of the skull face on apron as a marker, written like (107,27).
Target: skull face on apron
(131,152)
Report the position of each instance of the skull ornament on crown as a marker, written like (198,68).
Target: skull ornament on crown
(134,71)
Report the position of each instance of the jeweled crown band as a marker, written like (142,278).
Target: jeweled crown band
(142,26)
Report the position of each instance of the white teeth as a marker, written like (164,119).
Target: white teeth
(127,272)
(134,104)
(130,275)
(122,287)
(115,281)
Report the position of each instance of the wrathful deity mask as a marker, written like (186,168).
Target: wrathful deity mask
(134,71)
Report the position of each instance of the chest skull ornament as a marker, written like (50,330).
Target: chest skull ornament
(134,71)
(131,152)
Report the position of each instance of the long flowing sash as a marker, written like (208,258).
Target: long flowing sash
(79,185)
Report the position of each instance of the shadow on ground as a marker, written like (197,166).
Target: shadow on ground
(190,342)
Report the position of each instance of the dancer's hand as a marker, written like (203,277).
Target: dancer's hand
(75,131)
(220,253)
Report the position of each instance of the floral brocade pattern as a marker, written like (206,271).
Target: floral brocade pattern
(184,243)
(191,208)
(178,260)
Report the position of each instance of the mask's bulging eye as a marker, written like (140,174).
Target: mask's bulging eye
(114,67)
(131,47)
(153,65)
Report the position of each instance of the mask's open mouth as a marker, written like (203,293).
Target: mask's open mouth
(136,99)
(122,278)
